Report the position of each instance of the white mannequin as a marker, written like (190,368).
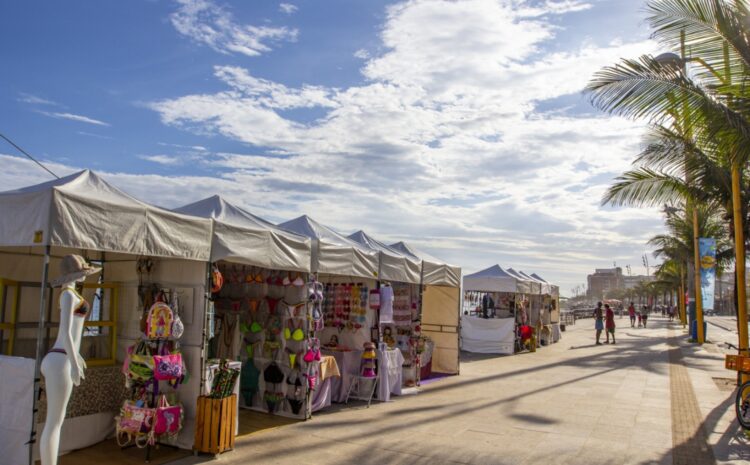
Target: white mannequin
(62,371)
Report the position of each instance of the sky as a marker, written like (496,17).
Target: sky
(457,126)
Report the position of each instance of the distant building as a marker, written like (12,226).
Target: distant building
(603,280)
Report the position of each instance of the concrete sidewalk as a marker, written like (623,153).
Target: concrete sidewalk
(573,403)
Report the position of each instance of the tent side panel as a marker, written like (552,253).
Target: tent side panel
(173,235)
(23,216)
(87,223)
(441,275)
(440,319)
(288,254)
(398,269)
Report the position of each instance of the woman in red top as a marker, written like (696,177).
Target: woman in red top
(609,323)
(631,312)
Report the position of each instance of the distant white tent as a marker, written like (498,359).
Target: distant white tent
(553,289)
(333,253)
(241,237)
(494,279)
(394,265)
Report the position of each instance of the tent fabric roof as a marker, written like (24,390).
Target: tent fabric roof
(394,265)
(82,211)
(435,272)
(492,279)
(334,253)
(241,237)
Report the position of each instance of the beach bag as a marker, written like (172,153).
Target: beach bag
(140,363)
(159,321)
(168,418)
(135,420)
(168,367)
(178,328)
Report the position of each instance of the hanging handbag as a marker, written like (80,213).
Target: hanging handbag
(134,420)
(178,328)
(141,363)
(167,367)
(159,321)
(168,418)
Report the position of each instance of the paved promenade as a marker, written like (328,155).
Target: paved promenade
(650,399)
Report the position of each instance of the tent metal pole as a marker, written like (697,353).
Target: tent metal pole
(206,316)
(39,349)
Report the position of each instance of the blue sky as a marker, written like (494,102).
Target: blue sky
(458,126)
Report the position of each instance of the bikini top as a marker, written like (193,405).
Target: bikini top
(83,307)
(297,334)
(273,374)
(251,278)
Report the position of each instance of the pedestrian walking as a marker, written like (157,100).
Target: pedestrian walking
(609,323)
(598,322)
(644,315)
(631,312)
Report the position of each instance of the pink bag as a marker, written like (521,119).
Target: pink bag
(167,367)
(168,417)
(134,420)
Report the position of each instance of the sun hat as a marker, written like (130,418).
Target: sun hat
(73,268)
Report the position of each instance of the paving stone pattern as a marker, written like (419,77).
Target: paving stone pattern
(689,441)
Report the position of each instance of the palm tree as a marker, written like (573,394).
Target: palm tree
(702,99)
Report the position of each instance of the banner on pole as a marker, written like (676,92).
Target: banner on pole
(707,250)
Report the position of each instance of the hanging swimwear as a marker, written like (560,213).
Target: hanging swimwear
(273,374)
(293,332)
(249,378)
(295,405)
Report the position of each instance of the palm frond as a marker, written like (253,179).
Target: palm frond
(646,187)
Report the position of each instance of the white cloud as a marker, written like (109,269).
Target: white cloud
(74,117)
(34,99)
(287,8)
(208,23)
(162,159)
(197,148)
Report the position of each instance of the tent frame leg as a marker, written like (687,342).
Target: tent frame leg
(39,349)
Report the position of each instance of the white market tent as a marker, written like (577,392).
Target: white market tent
(241,237)
(526,285)
(333,253)
(83,214)
(494,279)
(441,306)
(394,265)
(491,336)
(435,272)
(540,287)
(553,289)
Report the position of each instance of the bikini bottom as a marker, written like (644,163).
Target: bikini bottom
(273,399)
(295,404)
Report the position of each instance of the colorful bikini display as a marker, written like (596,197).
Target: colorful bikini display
(275,319)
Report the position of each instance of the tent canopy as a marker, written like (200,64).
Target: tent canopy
(394,265)
(241,237)
(540,286)
(82,211)
(526,285)
(333,253)
(492,279)
(435,272)
(553,289)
